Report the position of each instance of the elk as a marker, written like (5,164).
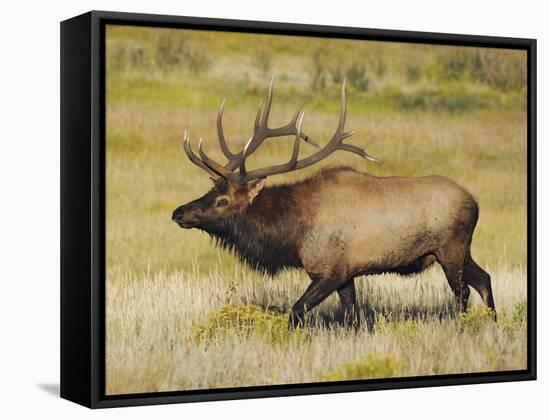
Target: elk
(337,224)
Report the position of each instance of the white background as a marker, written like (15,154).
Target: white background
(29,206)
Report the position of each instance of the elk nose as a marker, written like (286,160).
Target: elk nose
(177,214)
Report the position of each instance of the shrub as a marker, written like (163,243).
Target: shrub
(517,320)
(358,77)
(407,329)
(476,317)
(262,61)
(413,72)
(169,51)
(519,315)
(126,56)
(356,74)
(498,69)
(378,65)
(245,321)
(197,60)
(173,51)
(450,96)
(455,62)
(337,74)
(375,365)
(318,70)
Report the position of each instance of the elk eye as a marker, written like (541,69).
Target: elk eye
(222,202)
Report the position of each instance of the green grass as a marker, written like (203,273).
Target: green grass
(182,314)
(154,66)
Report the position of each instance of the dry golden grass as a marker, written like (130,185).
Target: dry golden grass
(151,316)
(164,284)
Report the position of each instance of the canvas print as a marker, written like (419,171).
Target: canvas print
(296,210)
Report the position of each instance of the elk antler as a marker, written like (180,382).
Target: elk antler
(263,132)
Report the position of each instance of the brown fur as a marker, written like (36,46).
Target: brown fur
(339,224)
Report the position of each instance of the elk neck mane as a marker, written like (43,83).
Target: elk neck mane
(267,236)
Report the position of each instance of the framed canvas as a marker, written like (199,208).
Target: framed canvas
(369,225)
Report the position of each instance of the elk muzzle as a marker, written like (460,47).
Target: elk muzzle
(186,216)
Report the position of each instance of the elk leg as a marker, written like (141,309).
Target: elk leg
(317,291)
(348,301)
(455,277)
(480,280)
(452,261)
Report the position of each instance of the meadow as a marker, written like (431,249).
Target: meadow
(182,314)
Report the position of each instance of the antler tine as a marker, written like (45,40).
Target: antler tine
(268,102)
(212,164)
(258,116)
(261,130)
(297,115)
(296,150)
(195,159)
(221,137)
(358,151)
(242,163)
(290,129)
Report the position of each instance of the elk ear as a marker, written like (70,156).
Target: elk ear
(254,188)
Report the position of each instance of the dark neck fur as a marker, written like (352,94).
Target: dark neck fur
(267,236)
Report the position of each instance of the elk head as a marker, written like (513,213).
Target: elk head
(234,191)
(225,199)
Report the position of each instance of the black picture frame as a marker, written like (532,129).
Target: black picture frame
(83,214)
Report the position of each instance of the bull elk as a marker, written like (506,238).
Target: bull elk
(336,225)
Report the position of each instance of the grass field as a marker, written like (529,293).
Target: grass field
(183,315)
